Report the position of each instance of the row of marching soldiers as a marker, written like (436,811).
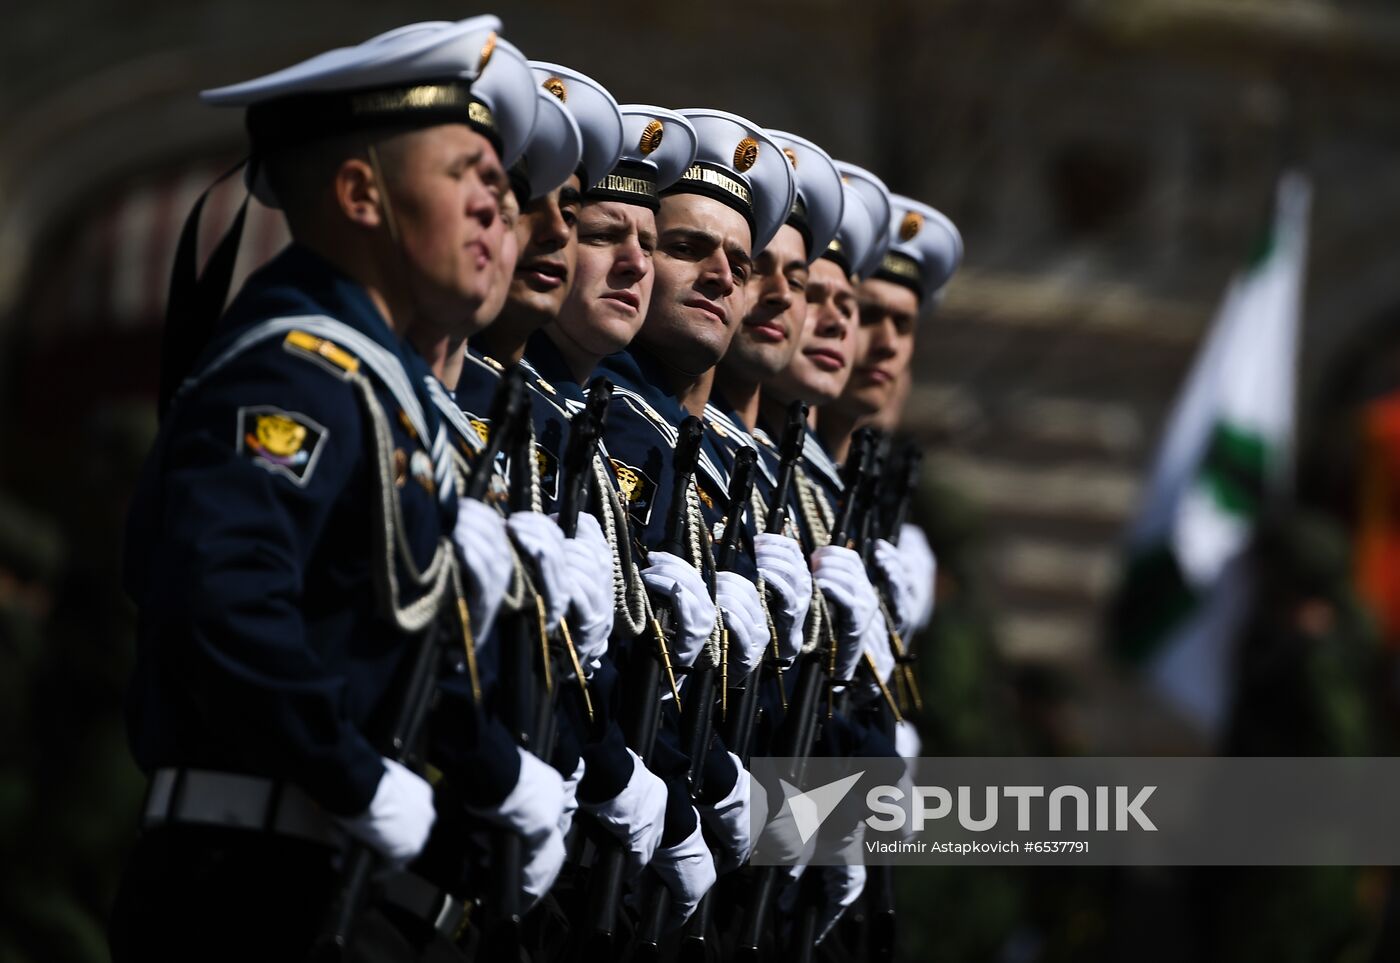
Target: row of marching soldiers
(498,521)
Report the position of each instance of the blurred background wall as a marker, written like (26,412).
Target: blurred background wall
(1109,162)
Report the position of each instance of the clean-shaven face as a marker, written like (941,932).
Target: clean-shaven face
(765,342)
(702,265)
(884,342)
(613,277)
(446,186)
(821,364)
(547,236)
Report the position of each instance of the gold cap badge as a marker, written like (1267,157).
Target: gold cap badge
(791,156)
(651,137)
(487,49)
(911,225)
(746,154)
(556,87)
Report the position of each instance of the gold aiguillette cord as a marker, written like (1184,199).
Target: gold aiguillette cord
(578,667)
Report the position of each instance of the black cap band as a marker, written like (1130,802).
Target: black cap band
(899,268)
(836,251)
(630,182)
(718,183)
(303,118)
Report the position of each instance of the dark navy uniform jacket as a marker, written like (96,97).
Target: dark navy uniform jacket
(251,555)
(607,765)
(642,452)
(476,389)
(641,431)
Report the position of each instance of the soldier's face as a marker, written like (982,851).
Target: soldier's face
(822,363)
(503,267)
(702,266)
(446,190)
(547,236)
(613,277)
(765,342)
(884,344)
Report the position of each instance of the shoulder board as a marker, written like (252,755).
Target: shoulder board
(730,430)
(383,364)
(548,395)
(484,363)
(643,407)
(538,381)
(321,349)
(668,431)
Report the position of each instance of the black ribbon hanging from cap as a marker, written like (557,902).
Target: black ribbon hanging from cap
(196,301)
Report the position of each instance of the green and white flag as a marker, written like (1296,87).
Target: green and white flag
(1227,452)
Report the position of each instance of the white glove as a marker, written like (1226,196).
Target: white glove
(841,886)
(589,558)
(877,643)
(566,816)
(908,744)
(688,872)
(899,580)
(783,566)
(399,818)
(533,809)
(781,842)
(906,740)
(840,573)
(745,621)
(678,581)
(637,815)
(729,820)
(922,566)
(541,540)
(481,536)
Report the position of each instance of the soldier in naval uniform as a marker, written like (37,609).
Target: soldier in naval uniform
(283,556)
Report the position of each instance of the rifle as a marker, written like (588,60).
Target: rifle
(854,528)
(879,896)
(585,428)
(644,685)
(415,701)
(697,723)
(913,462)
(516,691)
(799,729)
(739,731)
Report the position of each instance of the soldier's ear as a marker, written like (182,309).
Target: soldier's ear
(357,193)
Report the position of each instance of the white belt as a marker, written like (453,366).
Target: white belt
(205,797)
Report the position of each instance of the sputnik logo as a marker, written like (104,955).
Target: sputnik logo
(810,808)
